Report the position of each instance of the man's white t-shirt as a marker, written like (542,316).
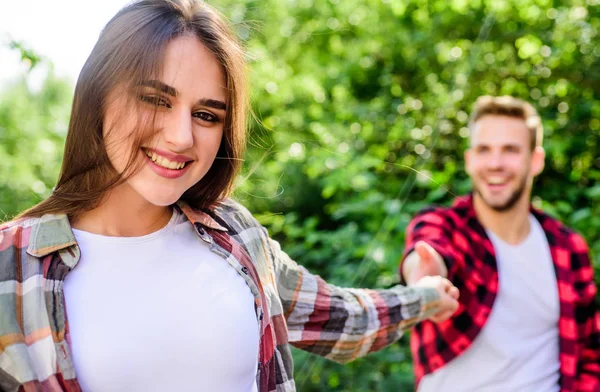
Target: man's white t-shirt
(517,349)
(160,312)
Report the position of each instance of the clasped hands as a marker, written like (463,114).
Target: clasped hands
(424,267)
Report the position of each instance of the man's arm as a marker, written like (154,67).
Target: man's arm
(587,318)
(588,379)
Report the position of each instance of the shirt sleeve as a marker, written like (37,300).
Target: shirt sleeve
(433,228)
(345,323)
(586,317)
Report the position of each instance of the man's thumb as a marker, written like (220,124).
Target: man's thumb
(422,249)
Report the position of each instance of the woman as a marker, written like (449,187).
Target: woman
(170,285)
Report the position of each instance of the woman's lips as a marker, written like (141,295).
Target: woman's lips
(165,167)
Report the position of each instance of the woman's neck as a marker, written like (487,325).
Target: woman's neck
(124,213)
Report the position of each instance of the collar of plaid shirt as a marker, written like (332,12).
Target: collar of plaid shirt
(453,232)
(36,254)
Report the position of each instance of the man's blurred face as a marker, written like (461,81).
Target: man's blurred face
(500,161)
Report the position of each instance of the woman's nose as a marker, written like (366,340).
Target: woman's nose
(178,130)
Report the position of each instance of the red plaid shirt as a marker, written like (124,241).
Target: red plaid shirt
(456,234)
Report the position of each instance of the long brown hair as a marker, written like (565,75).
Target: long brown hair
(130,50)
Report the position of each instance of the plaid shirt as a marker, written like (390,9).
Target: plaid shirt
(453,232)
(292,306)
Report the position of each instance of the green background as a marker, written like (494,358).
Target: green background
(360,115)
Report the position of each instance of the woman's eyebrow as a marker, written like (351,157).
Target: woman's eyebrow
(172,91)
(165,88)
(212,103)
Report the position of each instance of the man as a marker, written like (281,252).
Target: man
(527,319)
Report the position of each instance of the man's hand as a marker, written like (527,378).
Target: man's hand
(423,261)
(448,296)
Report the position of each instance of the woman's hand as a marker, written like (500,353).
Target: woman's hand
(448,296)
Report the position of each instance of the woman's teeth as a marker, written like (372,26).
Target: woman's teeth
(164,162)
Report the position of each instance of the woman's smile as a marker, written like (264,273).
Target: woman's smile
(171,167)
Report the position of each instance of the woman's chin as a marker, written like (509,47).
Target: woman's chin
(162,200)
(156,192)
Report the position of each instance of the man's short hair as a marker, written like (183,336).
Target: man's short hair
(511,107)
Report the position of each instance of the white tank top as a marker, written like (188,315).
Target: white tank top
(160,313)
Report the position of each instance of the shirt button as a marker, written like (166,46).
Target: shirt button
(261,316)
(203,234)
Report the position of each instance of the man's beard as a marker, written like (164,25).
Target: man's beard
(512,200)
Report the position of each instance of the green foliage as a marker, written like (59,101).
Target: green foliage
(28,56)
(362,108)
(33,125)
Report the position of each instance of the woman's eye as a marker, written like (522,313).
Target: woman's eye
(154,100)
(205,116)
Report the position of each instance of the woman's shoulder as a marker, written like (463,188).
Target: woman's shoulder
(235,215)
(16,233)
(36,234)
(11,226)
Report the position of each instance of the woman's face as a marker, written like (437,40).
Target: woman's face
(189,102)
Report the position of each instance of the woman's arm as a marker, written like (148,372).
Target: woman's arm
(345,323)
